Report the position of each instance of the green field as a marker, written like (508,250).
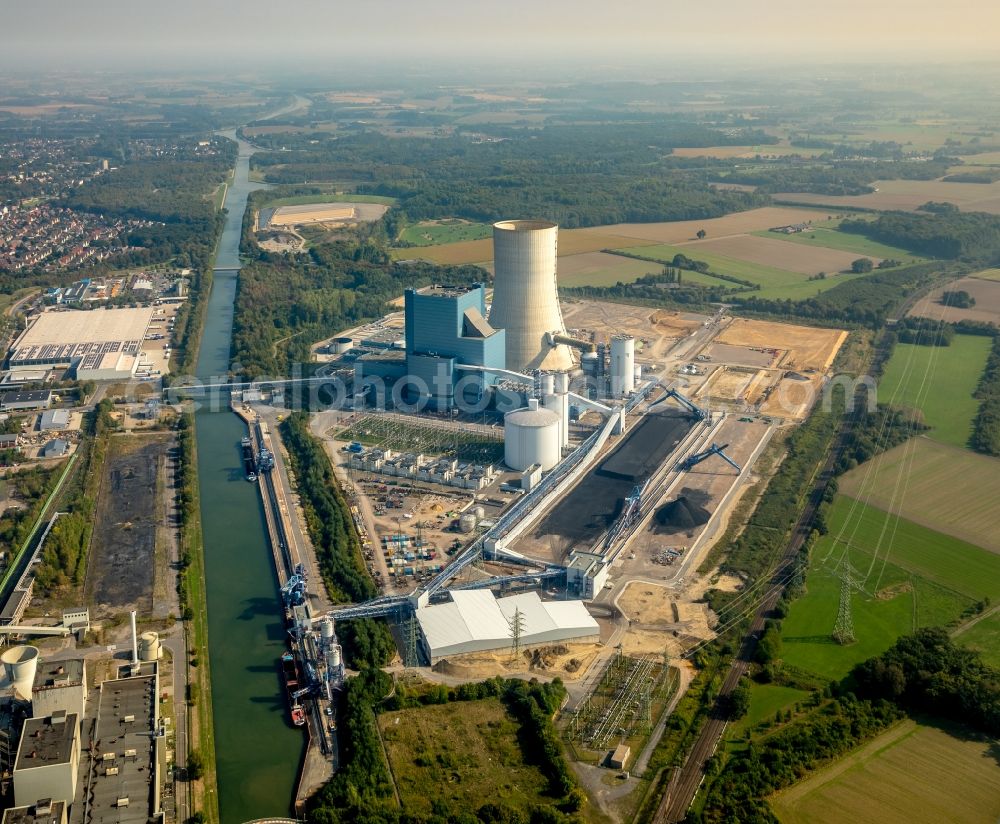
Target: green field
(988,274)
(844,242)
(984,636)
(927,579)
(329,197)
(940,381)
(911,774)
(467,750)
(755,272)
(434,233)
(804,289)
(765,701)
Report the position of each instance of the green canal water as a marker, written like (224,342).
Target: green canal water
(258,751)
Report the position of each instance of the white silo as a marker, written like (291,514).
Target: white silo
(525,302)
(531,436)
(20,664)
(622,365)
(149,647)
(327,632)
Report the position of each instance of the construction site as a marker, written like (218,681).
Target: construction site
(546,507)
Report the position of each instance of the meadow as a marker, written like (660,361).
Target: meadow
(939,380)
(468,750)
(988,274)
(602,269)
(435,232)
(745,270)
(909,577)
(911,773)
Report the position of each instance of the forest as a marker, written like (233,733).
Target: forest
(986,426)
(284,305)
(577,176)
(946,234)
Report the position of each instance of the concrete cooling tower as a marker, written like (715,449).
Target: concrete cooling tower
(525,303)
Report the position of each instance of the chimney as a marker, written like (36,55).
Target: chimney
(135,643)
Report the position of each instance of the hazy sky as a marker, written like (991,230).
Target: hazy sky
(61,33)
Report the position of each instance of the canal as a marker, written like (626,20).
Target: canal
(258,751)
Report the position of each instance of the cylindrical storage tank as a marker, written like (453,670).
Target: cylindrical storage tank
(467,522)
(622,365)
(479,512)
(547,384)
(562,380)
(589,363)
(336,657)
(340,345)
(326,630)
(149,647)
(554,403)
(638,373)
(531,436)
(20,664)
(525,301)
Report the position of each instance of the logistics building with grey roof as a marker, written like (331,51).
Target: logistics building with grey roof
(43,811)
(48,759)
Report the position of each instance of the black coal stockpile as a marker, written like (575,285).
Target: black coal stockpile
(680,515)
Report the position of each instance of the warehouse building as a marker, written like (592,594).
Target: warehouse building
(477,621)
(48,759)
(100,344)
(19,401)
(54,420)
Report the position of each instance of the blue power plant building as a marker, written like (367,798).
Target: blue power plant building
(447,326)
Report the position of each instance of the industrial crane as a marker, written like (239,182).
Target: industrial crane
(692,461)
(699,413)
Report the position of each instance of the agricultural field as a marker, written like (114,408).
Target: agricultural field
(737,223)
(804,289)
(453,230)
(571,242)
(746,152)
(985,292)
(468,749)
(857,245)
(745,270)
(938,380)
(944,487)
(910,577)
(907,195)
(602,269)
(988,274)
(769,251)
(911,774)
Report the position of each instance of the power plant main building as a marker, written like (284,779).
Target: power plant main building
(525,303)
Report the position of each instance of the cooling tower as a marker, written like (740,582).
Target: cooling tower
(525,303)
(20,664)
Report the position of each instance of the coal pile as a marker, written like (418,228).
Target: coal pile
(681,515)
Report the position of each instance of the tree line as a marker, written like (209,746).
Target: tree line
(986,426)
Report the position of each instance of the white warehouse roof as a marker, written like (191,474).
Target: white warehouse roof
(476,621)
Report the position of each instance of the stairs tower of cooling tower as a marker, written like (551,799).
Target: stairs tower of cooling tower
(525,302)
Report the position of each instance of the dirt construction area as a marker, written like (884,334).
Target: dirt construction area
(805,347)
(123,554)
(654,330)
(985,292)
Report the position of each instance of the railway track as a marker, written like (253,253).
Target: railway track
(685,782)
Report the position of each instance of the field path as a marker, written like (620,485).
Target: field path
(970,624)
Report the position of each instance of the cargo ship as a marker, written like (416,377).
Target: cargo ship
(290,672)
(249,462)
